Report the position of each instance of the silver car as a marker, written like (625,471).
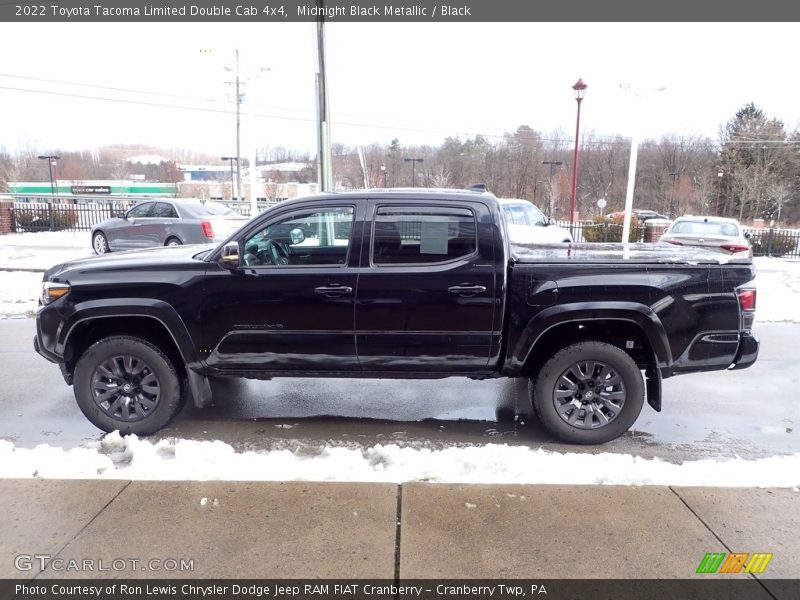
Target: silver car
(714,233)
(166,222)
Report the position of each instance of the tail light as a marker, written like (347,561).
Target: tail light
(747,308)
(747,299)
(208,230)
(735,247)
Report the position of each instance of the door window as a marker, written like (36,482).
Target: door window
(415,235)
(141,210)
(320,237)
(162,210)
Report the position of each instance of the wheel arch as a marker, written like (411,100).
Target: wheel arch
(154,321)
(632,327)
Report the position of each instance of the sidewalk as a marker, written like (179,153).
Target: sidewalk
(414,530)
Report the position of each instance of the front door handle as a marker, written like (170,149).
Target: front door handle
(467,290)
(333,290)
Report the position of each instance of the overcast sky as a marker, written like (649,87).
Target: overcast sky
(418,82)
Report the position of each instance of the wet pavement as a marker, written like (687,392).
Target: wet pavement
(750,413)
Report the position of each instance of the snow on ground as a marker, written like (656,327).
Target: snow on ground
(19,293)
(116,457)
(48,239)
(778,284)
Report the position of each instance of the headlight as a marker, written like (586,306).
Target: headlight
(53,291)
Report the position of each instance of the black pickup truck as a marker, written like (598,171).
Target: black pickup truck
(395,284)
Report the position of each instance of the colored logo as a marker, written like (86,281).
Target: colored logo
(737,562)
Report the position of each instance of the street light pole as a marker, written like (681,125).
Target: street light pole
(51,164)
(552,164)
(413,162)
(231,158)
(720,173)
(580,89)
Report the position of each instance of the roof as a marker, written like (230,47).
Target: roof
(399,193)
(707,218)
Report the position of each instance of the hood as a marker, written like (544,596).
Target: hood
(158,256)
(616,253)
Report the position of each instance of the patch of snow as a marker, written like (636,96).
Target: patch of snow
(778,284)
(48,239)
(19,293)
(115,457)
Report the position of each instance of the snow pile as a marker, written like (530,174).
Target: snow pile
(19,293)
(48,239)
(778,284)
(116,457)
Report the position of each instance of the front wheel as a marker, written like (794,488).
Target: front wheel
(588,393)
(127,384)
(100,243)
(173,241)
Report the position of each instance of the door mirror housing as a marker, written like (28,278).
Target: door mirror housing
(229,259)
(747,234)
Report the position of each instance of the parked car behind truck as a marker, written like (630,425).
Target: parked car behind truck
(395,284)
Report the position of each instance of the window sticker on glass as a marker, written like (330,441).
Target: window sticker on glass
(434,237)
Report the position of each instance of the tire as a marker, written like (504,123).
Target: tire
(100,243)
(173,241)
(597,416)
(114,362)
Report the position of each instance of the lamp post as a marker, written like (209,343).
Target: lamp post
(552,164)
(232,159)
(51,165)
(413,162)
(580,89)
(720,173)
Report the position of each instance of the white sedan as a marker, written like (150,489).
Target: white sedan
(528,225)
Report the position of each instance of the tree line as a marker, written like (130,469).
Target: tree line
(751,172)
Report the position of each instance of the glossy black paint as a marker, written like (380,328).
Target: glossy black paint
(493,313)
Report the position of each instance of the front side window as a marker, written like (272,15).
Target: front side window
(139,211)
(414,235)
(320,237)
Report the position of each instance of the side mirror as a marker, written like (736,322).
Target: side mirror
(551,221)
(747,234)
(230,256)
(297,235)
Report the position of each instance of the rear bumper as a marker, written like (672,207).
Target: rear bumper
(747,353)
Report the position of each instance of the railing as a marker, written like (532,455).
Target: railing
(48,216)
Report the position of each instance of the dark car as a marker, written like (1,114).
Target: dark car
(166,222)
(395,284)
(643,214)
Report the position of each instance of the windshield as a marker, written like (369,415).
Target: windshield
(705,228)
(523,213)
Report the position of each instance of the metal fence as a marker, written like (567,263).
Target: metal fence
(54,216)
(48,216)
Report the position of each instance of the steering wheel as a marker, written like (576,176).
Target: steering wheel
(278,253)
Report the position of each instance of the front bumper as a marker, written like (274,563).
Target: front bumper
(747,353)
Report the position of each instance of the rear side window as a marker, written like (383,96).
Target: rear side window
(164,211)
(419,235)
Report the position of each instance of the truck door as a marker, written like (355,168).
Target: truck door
(290,306)
(426,291)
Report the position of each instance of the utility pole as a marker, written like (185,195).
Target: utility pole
(238,83)
(552,164)
(413,162)
(324,171)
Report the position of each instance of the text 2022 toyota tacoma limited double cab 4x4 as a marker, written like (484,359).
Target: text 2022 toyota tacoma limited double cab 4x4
(395,284)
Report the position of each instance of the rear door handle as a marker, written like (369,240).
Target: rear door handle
(467,290)
(333,291)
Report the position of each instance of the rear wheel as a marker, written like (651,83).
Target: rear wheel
(589,393)
(173,241)
(100,243)
(127,384)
